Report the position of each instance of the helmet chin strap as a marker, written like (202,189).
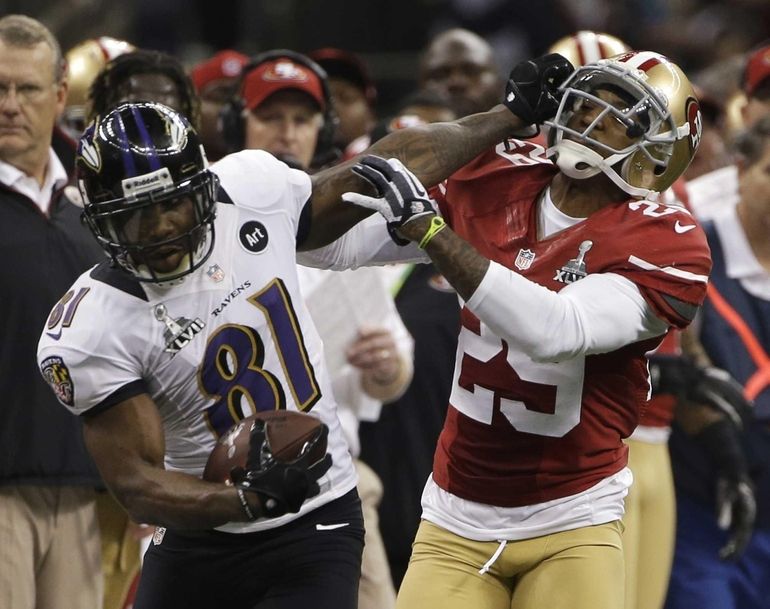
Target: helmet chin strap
(159,276)
(173,277)
(570,155)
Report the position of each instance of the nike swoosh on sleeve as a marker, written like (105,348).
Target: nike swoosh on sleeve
(683,228)
(331,527)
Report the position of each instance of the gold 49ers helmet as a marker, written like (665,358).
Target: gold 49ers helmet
(659,110)
(84,61)
(586,47)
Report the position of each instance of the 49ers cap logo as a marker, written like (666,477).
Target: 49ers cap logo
(695,120)
(253,237)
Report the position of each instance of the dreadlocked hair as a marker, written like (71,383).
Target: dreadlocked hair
(108,87)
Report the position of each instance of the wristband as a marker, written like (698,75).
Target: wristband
(437,224)
(245,505)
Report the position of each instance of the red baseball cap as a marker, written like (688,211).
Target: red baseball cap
(277,75)
(757,70)
(224,65)
(347,66)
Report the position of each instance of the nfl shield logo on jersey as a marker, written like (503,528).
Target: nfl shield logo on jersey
(215,273)
(524,260)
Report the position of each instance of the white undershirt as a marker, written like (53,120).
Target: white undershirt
(55,178)
(550,219)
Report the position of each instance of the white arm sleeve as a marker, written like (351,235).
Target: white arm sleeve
(366,244)
(598,314)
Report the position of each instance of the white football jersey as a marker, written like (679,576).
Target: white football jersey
(231,338)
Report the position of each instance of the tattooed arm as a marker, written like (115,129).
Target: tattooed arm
(597,314)
(456,259)
(432,152)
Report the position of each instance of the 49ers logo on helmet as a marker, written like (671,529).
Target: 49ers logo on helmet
(625,56)
(695,120)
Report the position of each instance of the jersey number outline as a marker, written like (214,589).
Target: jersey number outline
(232,371)
(528,153)
(64,311)
(477,402)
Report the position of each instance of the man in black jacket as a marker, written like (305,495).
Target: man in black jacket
(50,553)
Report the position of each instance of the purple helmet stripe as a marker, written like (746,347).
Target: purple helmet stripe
(149,146)
(125,148)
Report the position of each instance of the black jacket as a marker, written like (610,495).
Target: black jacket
(41,443)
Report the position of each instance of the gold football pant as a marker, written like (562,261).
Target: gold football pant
(579,569)
(648,539)
(121,558)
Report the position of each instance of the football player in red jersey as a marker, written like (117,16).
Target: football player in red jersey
(649,504)
(570,272)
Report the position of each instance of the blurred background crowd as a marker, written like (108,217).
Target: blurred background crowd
(390,35)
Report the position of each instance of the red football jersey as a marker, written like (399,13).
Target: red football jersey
(659,411)
(520,432)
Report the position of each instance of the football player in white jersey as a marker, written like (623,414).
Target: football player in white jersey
(179,335)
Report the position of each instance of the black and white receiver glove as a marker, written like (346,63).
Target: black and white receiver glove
(706,385)
(400,196)
(735,503)
(532,91)
(736,507)
(281,486)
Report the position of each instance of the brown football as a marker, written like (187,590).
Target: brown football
(287,433)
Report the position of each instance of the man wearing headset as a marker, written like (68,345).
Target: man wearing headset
(283,107)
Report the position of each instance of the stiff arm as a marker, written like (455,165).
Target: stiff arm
(432,152)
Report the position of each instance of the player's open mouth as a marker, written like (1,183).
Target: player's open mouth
(166,252)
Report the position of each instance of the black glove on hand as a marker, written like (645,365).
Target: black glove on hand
(707,385)
(532,92)
(736,506)
(281,486)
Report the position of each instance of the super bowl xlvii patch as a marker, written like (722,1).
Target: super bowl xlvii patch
(576,268)
(58,376)
(524,260)
(180,331)
(253,237)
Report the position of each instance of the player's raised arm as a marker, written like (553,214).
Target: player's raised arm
(433,152)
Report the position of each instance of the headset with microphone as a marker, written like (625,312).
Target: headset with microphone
(231,117)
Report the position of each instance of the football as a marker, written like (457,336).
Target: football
(287,433)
